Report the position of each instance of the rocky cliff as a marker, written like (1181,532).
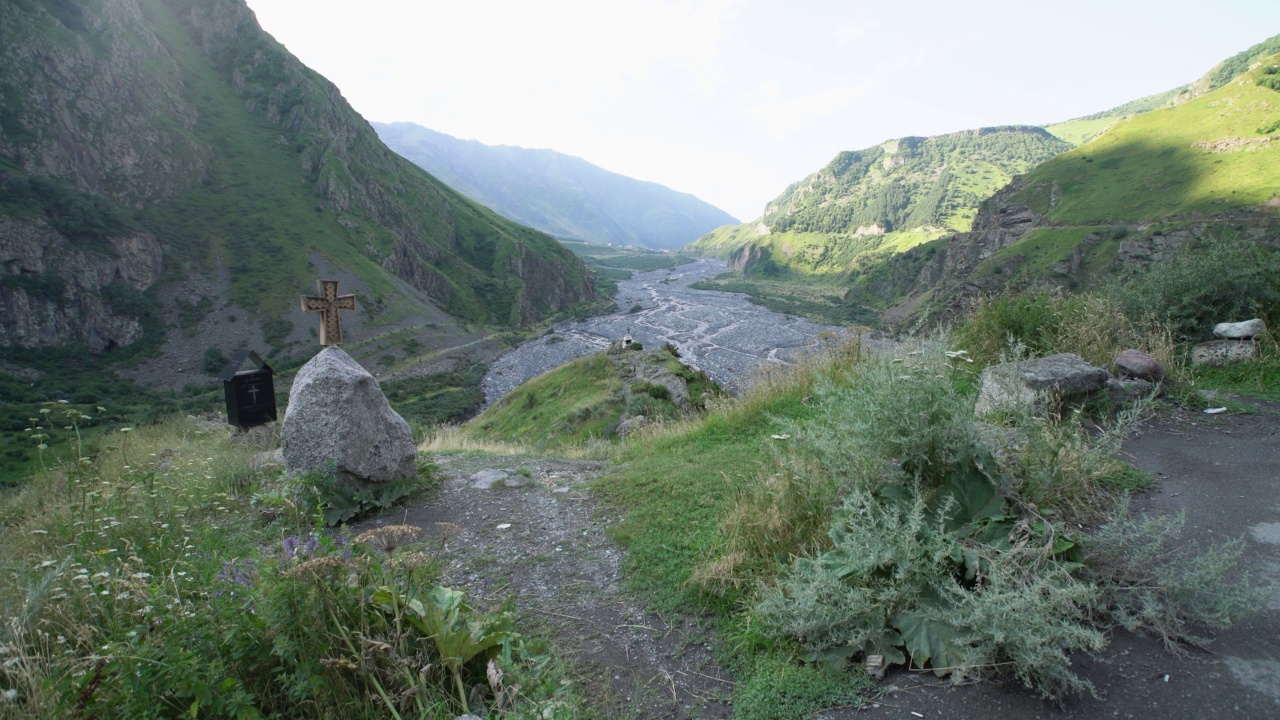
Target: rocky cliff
(145,140)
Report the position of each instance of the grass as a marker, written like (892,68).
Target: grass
(1157,165)
(1081,131)
(162,575)
(674,486)
(571,404)
(1259,378)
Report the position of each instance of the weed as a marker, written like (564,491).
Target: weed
(146,583)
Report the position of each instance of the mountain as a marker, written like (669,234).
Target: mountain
(1150,183)
(866,205)
(558,194)
(160,159)
(1083,129)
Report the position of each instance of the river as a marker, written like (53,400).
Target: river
(721,333)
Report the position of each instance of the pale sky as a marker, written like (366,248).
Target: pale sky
(733,100)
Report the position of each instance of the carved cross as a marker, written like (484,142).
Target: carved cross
(328,305)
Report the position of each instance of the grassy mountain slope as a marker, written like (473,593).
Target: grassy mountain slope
(866,206)
(192,127)
(559,194)
(1083,129)
(1149,184)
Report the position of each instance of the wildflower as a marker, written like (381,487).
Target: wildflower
(10,695)
(140,576)
(125,430)
(39,532)
(45,564)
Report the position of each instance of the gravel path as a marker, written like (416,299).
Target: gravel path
(539,541)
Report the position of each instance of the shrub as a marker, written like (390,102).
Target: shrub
(1218,278)
(214,361)
(1151,583)
(336,501)
(999,322)
(903,534)
(653,390)
(898,583)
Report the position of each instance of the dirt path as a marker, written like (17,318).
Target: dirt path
(1225,472)
(535,536)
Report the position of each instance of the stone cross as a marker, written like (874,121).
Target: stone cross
(328,305)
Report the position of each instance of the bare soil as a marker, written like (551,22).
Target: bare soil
(543,545)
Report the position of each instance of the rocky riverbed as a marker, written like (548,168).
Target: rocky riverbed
(721,333)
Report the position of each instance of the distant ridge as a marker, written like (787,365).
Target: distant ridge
(556,193)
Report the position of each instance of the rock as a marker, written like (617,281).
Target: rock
(271,459)
(1029,384)
(1139,365)
(1130,389)
(485,479)
(516,481)
(630,425)
(1240,330)
(1222,352)
(339,419)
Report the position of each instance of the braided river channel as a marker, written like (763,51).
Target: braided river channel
(721,333)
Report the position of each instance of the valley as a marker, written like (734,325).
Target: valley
(940,433)
(721,333)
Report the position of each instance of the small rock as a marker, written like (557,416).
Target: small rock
(1222,352)
(1240,330)
(485,479)
(630,425)
(1129,389)
(516,481)
(1137,364)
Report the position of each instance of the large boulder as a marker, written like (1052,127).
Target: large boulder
(1240,330)
(1222,352)
(339,420)
(1030,384)
(1138,365)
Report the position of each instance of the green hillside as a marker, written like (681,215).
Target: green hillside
(1212,153)
(559,194)
(1083,129)
(867,206)
(1151,183)
(184,122)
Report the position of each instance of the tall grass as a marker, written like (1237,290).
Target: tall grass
(1093,326)
(155,577)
